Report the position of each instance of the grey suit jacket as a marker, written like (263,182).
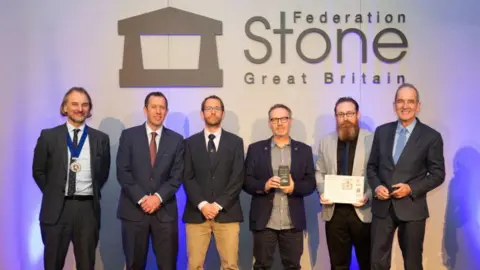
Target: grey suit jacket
(327,164)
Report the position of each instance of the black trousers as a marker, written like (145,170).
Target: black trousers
(290,243)
(410,239)
(344,231)
(135,238)
(77,223)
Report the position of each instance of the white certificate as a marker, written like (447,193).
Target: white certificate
(343,188)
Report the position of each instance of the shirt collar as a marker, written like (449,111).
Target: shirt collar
(409,128)
(149,130)
(70,127)
(273,144)
(217,133)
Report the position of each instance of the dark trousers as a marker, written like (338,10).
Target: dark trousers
(344,231)
(290,243)
(135,238)
(77,223)
(410,239)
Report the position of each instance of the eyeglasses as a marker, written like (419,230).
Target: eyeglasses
(210,108)
(348,114)
(282,120)
(402,102)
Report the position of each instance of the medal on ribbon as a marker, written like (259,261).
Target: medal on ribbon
(75,151)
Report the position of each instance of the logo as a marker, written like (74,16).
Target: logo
(374,37)
(170,21)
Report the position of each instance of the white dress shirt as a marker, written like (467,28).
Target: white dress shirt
(83,183)
(216,141)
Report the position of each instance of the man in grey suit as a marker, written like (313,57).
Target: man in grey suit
(346,152)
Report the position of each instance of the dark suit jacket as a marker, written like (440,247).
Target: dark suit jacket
(138,178)
(421,165)
(217,181)
(50,168)
(258,169)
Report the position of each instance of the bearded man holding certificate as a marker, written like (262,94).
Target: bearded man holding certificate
(344,193)
(71,163)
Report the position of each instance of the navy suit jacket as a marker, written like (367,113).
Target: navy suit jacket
(219,180)
(421,165)
(138,178)
(258,169)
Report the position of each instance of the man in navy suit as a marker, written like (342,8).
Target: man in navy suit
(277,212)
(406,162)
(149,170)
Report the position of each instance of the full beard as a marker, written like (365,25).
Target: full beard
(347,131)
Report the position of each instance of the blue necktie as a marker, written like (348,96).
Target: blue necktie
(401,141)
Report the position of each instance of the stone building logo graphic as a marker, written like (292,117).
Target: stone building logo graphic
(170,21)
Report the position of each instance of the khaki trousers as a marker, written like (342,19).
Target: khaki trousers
(226,239)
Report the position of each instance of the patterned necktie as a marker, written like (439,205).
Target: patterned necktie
(211,146)
(72,176)
(153,148)
(401,141)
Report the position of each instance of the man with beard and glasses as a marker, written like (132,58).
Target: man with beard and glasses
(213,179)
(71,164)
(149,170)
(346,152)
(406,162)
(277,212)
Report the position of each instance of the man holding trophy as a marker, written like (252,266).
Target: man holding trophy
(279,172)
(344,193)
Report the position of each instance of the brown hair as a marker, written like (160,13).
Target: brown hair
(78,90)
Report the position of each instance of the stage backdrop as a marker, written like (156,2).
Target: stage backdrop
(253,54)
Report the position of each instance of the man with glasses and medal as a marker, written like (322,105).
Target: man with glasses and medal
(279,172)
(71,164)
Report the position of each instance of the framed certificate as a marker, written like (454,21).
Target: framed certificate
(343,188)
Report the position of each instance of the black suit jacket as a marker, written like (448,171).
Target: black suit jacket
(50,169)
(219,180)
(421,165)
(258,169)
(138,178)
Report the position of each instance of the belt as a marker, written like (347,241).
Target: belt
(79,197)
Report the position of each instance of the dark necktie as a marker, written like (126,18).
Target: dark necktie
(345,159)
(153,148)
(72,176)
(211,146)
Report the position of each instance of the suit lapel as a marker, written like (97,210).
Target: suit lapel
(92,140)
(359,158)
(220,149)
(293,156)
(62,141)
(334,150)
(201,147)
(267,154)
(391,141)
(162,147)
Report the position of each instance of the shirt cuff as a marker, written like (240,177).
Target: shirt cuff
(218,206)
(158,195)
(201,205)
